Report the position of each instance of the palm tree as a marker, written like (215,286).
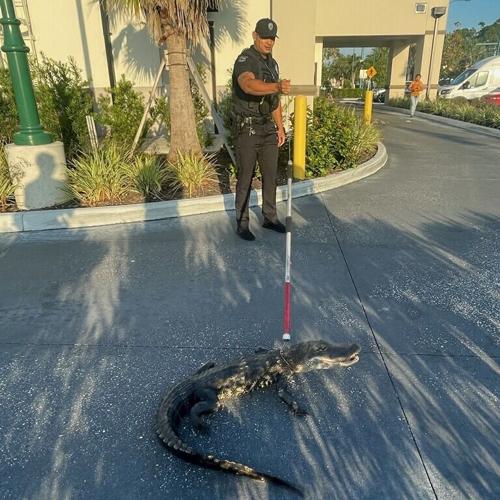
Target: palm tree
(175,22)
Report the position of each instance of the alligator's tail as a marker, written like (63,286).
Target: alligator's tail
(170,439)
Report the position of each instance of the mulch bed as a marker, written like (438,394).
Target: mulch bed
(226,183)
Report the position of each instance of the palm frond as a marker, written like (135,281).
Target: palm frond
(186,17)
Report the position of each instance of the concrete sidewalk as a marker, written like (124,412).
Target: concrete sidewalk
(98,323)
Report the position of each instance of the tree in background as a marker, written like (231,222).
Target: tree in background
(332,67)
(175,22)
(337,65)
(489,33)
(379,59)
(461,49)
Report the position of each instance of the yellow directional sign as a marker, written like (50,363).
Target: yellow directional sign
(371,72)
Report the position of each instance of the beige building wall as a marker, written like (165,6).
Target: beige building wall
(397,69)
(318,61)
(233,27)
(295,50)
(136,55)
(74,28)
(71,28)
(365,18)
(423,59)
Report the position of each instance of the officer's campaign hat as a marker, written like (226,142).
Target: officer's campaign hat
(266,28)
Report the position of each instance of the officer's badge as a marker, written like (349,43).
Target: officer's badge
(242,59)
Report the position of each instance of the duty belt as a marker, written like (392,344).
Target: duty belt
(253,120)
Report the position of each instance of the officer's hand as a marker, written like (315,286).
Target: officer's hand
(281,136)
(285,86)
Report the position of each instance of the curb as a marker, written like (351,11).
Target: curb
(471,127)
(69,218)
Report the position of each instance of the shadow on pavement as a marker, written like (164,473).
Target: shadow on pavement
(97,324)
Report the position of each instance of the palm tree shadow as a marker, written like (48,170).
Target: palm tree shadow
(135,47)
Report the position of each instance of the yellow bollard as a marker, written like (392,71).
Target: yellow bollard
(299,137)
(367,114)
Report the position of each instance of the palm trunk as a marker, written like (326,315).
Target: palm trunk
(183,136)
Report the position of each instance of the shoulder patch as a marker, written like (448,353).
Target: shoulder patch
(242,58)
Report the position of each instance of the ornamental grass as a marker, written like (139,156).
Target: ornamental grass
(147,176)
(7,186)
(98,177)
(191,175)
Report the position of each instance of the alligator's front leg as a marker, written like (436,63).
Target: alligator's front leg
(288,399)
(207,404)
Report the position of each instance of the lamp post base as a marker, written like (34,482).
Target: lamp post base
(37,138)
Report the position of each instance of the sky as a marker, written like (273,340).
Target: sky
(470,13)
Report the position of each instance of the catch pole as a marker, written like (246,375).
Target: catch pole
(297,169)
(288,251)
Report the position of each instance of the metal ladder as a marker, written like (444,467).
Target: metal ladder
(23,14)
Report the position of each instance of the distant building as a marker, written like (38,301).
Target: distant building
(80,29)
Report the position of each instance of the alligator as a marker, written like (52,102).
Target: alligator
(207,389)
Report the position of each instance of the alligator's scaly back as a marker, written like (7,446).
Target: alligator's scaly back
(169,437)
(211,383)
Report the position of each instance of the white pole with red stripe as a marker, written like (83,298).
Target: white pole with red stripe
(288,246)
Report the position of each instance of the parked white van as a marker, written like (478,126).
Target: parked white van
(474,82)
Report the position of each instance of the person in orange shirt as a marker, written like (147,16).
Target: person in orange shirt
(416,87)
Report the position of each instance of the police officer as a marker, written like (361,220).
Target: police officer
(259,125)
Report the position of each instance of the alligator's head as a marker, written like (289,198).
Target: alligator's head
(320,355)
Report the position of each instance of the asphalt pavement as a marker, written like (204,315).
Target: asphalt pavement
(97,324)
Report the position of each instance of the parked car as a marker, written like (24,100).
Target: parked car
(475,82)
(379,95)
(445,81)
(493,97)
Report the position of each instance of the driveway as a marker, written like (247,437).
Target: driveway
(96,324)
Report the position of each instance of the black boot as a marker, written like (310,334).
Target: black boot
(245,233)
(275,226)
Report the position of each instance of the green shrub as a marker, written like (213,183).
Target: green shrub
(201,111)
(99,177)
(459,100)
(63,100)
(120,112)
(191,174)
(472,111)
(7,187)
(346,93)
(146,176)
(337,137)
(8,112)
(225,107)
(160,110)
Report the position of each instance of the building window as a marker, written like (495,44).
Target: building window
(420,8)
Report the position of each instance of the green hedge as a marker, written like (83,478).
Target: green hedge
(337,137)
(475,111)
(346,93)
(63,100)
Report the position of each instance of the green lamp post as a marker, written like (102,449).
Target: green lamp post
(30,132)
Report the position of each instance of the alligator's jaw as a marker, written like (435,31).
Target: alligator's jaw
(350,361)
